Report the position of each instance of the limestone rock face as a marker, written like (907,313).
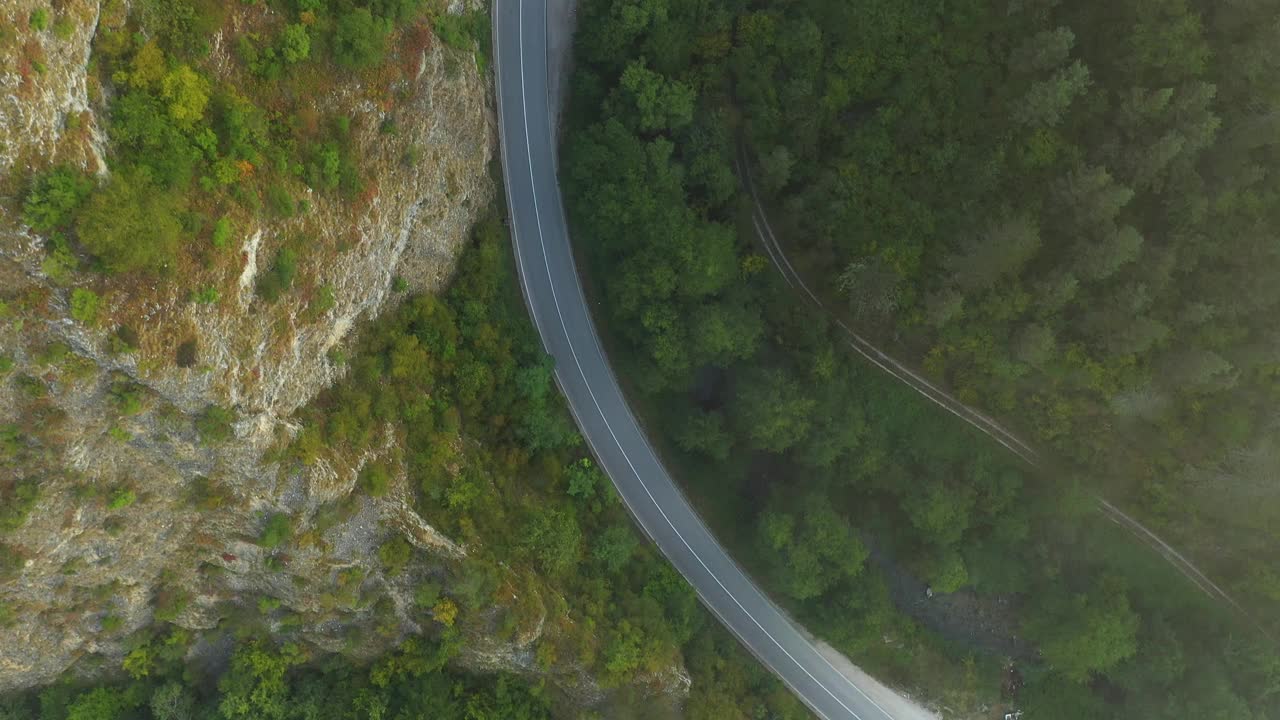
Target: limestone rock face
(136,516)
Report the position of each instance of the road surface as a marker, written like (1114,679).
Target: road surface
(554,295)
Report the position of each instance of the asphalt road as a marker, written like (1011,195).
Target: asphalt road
(556,301)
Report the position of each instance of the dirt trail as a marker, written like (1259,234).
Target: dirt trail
(972,416)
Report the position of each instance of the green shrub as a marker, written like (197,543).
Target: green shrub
(121,498)
(6,364)
(280,277)
(295,43)
(203,494)
(63,28)
(132,224)
(375,478)
(126,397)
(53,353)
(84,306)
(54,198)
(214,424)
(323,302)
(207,295)
(124,340)
(278,529)
(111,623)
(427,594)
(280,201)
(39,19)
(395,555)
(222,232)
(31,387)
(360,39)
(187,353)
(170,603)
(11,562)
(16,502)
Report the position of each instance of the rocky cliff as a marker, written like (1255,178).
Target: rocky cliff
(135,463)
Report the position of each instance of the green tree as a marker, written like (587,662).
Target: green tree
(940,511)
(552,538)
(255,686)
(1084,634)
(295,43)
(1046,102)
(188,94)
(771,409)
(660,103)
(809,552)
(615,547)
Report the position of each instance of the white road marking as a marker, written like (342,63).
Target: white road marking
(600,410)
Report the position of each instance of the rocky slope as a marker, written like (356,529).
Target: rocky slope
(138,515)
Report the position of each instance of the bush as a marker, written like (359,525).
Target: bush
(64,29)
(187,354)
(204,494)
(280,201)
(395,555)
(125,340)
(131,224)
(17,502)
(360,39)
(207,295)
(126,397)
(323,302)
(39,19)
(280,277)
(374,479)
(222,232)
(169,604)
(295,44)
(214,424)
(54,198)
(427,594)
(84,306)
(11,562)
(277,530)
(121,498)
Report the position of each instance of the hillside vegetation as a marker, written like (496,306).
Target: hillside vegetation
(1062,211)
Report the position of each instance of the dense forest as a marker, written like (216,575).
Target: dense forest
(1018,193)
(264,682)
(1065,211)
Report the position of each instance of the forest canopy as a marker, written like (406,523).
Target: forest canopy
(1062,211)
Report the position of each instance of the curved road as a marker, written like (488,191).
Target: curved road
(555,299)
